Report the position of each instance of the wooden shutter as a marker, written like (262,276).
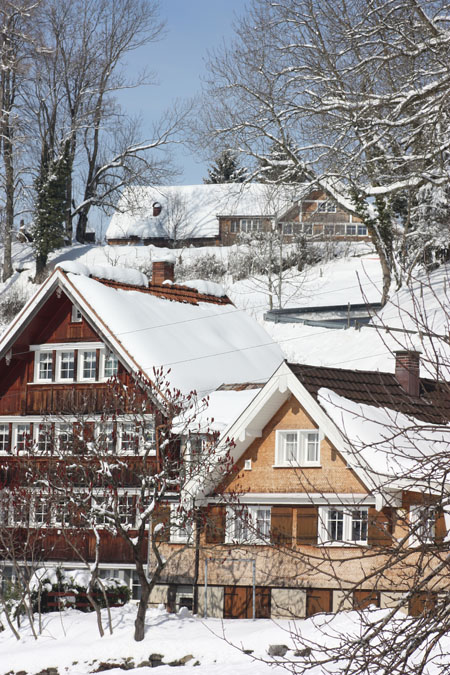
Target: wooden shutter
(362,599)
(307,521)
(380,526)
(162,515)
(318,601)
(215,524)
(440,529)
(281,525)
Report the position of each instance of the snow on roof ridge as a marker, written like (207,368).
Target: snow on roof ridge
(123,275)
(206,287)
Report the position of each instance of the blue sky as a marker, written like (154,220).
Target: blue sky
(178,60)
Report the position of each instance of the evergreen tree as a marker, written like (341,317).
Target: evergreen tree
(50,206)
(226,169)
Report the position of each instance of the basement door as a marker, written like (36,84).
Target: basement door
(238,602)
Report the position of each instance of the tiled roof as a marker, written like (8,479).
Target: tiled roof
(175,292)
(381,390)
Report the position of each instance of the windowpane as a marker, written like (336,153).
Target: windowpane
(263,522)
(362,230)
(125,509)
(291,447)
(67,365)
(44,438)
(312,447)
(107,437)
(359,525)
(335,525)
(4,438)
(351,229)
(89,365)
(22,437)
(111,365)
(65,437)
(130,438)
(241,524)
(41,510)
(45,366)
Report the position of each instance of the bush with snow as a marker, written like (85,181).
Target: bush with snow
(74,586)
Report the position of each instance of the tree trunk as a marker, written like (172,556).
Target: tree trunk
(41,267)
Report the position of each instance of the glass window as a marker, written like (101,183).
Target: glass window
(65,437)
(288,228)
(22,437)
(129,438)
(306,228)
(45,366)
(66,365)
(359,525)
(4,438)
(125,508)
(328,230)
(234,226)
(89,361)
(44,438)
(423,521)
(77,317)
(327,206)
(351,229)
(136,590)
(107,437)
(297,448)
(41,510)
(335,526)
(111,365)
(362,230)
(249,524)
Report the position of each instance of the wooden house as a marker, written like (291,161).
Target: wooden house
(84,329)
(219,215)
(335,469)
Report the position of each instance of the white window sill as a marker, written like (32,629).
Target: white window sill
(295,465)
(343,544)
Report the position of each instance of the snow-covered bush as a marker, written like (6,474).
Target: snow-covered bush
(207,267)
(11,303)
(74,586)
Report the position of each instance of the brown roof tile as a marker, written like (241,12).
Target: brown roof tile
(175,292)
(381,390)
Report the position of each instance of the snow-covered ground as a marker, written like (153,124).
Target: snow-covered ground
(70,643)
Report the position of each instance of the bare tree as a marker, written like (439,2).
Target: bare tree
(353,90)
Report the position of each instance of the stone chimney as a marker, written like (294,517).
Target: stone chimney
(407,371)
(163,270)
(157,208)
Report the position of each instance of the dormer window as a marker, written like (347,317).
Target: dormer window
(297,447)
(66,368)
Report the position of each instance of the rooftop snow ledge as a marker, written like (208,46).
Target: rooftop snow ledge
(205,287)
(122,275)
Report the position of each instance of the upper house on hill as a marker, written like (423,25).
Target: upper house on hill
(215,215)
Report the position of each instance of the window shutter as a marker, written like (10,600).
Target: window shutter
(281,525)
(162,515)
(380,527)
(440,529)
(307,520)
(215,525)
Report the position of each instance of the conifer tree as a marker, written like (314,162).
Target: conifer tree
(226,169)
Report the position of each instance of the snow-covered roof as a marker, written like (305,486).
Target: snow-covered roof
(191,211)
(205,341)
(395,445)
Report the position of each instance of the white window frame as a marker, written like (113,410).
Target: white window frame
(15,436)
(104,355)
(99,430)
(61,429)
(422,520)
(326,206)
(59,362)
(242,524)
(347,512)
(37,362)
(49,438)
(126,510)
(7,449)
(149,425)
(80,365)
(362,230)
(76,316)
(180,532)
(301,457)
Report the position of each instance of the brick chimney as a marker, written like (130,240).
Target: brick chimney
(157,208)
(163,270)
(407,371)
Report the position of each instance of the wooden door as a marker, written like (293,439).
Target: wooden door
(238,602)
(317,601)
(362,599)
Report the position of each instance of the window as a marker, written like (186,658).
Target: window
(288,228)
(251,225)
(66,365)
(234,227)
(125,510)
(351,229)
(106,437)
(181,526)
(328,206)
(307,228)
(198,447)
(4,438)
(423,524)
(248,524)
(341,524)
(110,365)
(362,231)
(65,437)
(129,439)
(22,437)
(61,512)
(297,448)
(41,510)
(43,437)
(87,364)
(45,366)
(77,317)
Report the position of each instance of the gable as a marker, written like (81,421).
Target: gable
(332,474)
